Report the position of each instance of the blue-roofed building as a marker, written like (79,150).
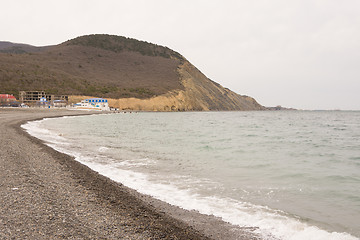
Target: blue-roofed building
(43,102)
(94,103)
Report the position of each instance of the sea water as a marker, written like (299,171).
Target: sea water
(291,174)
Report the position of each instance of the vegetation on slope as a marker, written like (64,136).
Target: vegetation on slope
(94,65)
(134,74)
(118,44)
(8,47)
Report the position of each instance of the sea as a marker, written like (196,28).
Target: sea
(290,174)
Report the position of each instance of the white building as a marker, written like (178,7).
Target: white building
(43,103)
(93,104)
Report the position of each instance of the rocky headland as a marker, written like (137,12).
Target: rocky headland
(132,74)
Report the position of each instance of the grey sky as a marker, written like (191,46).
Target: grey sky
(295,53)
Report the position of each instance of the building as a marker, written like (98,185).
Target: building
(59,103)
(52,98)
(31,97)
(43,102)
(34,97)
(93,104)
(8,100)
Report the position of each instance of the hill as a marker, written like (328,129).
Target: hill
(133,74)
(9,47)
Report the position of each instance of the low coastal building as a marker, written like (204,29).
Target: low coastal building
(8,100)
(93,104)
(59,103)
(43,102)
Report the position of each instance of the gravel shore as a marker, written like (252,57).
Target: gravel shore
(48,195)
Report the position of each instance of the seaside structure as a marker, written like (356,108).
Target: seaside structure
(93,104)
(60,103)
(43,102)
(8,100)
(34,97)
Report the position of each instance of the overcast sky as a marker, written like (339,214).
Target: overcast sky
(295,53)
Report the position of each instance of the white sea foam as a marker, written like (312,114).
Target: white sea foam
(34,129)
(103,149)
(272,224)
(136,162)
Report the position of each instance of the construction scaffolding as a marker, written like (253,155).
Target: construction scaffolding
(34,97)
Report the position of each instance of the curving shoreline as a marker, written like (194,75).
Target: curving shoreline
(47,194)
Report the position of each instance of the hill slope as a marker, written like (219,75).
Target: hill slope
(9,47)
(133,74)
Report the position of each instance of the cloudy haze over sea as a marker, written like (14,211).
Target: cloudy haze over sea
(302,53)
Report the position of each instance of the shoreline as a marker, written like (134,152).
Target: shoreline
(48,193)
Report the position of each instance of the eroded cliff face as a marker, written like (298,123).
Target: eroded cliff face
(203,94)
(199,94)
